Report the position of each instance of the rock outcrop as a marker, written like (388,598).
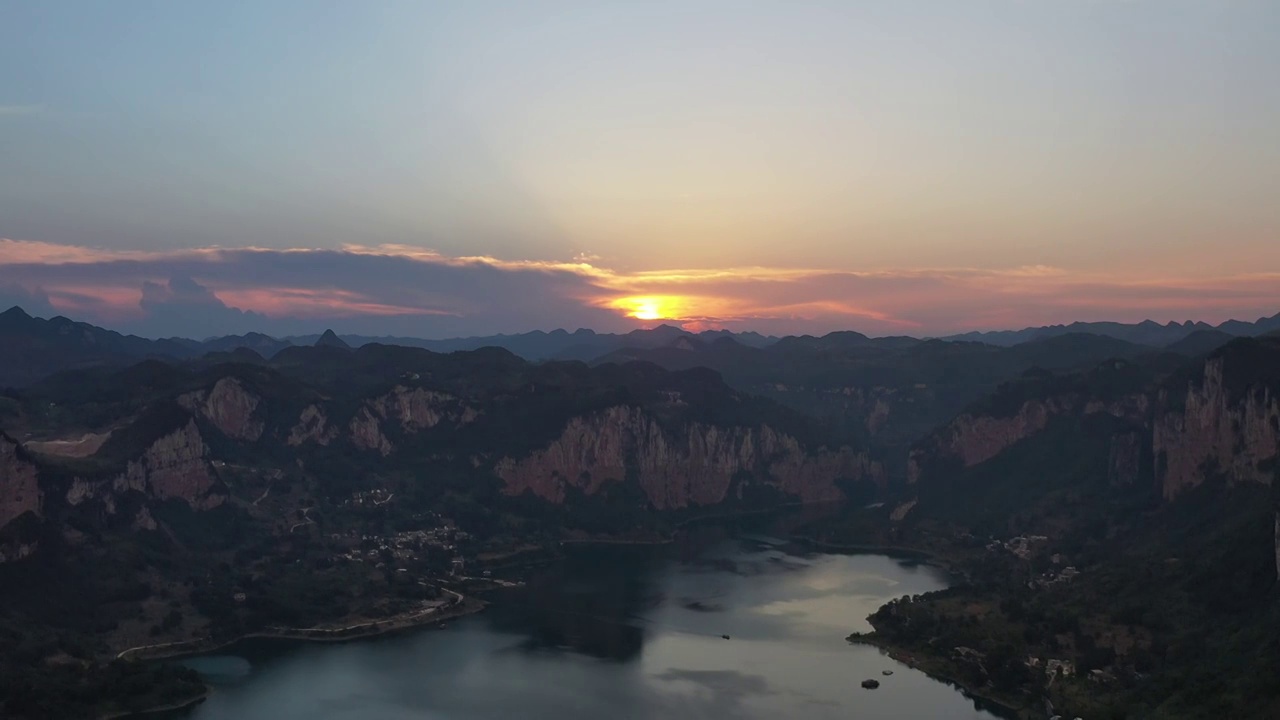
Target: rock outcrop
(1212,430)
(366,433)
(313,426)
(19,487)
(696,466)
(229,407)
(419,409)
(412,409)
(972,439)
(174,466)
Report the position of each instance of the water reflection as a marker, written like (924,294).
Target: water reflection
(624,632)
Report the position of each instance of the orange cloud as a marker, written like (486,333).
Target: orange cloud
(438,294)
(319,303)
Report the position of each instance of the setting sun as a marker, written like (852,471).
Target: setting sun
(652,307)
(647,310)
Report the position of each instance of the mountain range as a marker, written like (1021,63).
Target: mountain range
(41,347)
(195,491)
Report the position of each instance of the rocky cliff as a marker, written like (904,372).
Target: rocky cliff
(366,432)
(175,466)
(974,438)
(410,410)
(313,426)
(229,407)
(419,409)
(19,489)
(695,466)
(1209,429)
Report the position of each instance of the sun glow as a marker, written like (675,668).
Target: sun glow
(647,310)
(651,307)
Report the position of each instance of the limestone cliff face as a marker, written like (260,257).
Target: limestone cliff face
(694,467)
(175,466)
(973,439)
(19,488)
(1238,437)
(229,407)
(313,426)
(413,409)
(419,409)
(366,433)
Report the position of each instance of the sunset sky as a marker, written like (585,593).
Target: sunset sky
(441,169)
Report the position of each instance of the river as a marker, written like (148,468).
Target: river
(622,632)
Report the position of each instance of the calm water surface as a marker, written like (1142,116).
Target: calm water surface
(619,632)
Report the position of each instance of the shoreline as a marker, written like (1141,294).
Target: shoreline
(911,660)
(931,665)
(170,707)
(361,631)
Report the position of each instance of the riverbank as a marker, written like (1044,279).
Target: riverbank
(360,631)
(166,708)
(942,670)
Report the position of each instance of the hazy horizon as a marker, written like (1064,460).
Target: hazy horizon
(900,168)
(306,331)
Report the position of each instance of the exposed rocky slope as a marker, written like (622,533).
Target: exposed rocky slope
(1207,429)
(1023,409)
(341,419)
(173,466)
(20,497)
(1218,418)
(229,407)
(695,465)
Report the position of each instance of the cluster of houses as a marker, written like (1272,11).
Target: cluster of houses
(409,545)
(1066,575)
(369,498)
(1023,546)
(1052,667)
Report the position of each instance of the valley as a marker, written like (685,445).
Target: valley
(171,506)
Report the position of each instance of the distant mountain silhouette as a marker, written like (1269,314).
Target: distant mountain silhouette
(1147,332)
(36,348)
(263,345)
(331,339)
(581,344)
(1200,342)
(33,348)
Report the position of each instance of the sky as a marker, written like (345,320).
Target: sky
(440,169)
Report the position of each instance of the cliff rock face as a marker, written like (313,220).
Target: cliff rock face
(366,433)
(419,409)
(693,467)
(1212,431)
(19,489)
(414,410)
(173,467)
(312,426)
(973,439)
(229,407)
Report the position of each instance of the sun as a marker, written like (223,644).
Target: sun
(647,310)
(648,307)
